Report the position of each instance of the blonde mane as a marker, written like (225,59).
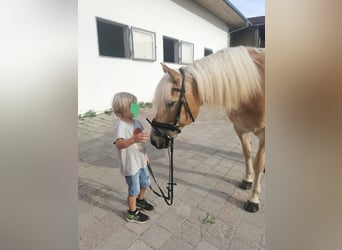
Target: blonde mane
(226,78)
(162,93)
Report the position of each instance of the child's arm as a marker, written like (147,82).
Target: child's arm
(125,143)
(122,143)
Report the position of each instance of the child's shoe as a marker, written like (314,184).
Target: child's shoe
(144,205)
(137,217)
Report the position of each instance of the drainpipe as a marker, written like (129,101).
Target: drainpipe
(241,28)
(247,22)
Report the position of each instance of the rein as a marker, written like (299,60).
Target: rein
(169,198)
(174,128)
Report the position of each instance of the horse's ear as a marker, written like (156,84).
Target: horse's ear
(165,68)
(174,74)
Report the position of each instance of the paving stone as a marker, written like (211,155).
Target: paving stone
(241,244)
(155,236)
(203,245)
(210,206)
(217,234)
(121,239)
(192,198)
(172,220)
(94,235)
(189,232)
(176,243)
(249,232)
(140,244)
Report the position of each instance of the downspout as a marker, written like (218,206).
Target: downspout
(247,22)
(247,25)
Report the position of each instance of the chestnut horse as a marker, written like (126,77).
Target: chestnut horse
(233,78)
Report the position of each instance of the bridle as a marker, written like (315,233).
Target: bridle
(159,127)
(181,102)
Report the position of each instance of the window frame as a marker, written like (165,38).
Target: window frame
(125,39)
(178,53)
(153,45)
(181,57)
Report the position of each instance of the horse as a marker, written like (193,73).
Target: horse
(233,78)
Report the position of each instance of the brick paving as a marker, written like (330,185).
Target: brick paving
(208,164)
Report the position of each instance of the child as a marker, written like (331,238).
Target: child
(129,139)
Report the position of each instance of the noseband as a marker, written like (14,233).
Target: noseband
(182,102)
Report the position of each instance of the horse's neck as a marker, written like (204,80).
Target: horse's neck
(211,89)
(227,78)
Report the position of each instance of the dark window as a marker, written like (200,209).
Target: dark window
(112,39)
(176,51)
(169,45)
(207,52)
(262,36)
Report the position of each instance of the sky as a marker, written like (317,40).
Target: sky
(250,8)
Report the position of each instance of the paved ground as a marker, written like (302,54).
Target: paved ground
(208,167)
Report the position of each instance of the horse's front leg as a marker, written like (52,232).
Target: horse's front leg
(252,205)
(245,139)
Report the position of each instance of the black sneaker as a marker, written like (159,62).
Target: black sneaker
(144,205)
(137,217)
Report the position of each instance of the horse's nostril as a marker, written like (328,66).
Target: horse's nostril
(158,141)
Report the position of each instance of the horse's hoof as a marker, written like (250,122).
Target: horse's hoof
(251,207)
(245,185)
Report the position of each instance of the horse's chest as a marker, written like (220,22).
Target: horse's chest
(247,122)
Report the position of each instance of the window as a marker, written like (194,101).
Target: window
(207,51)
(186,53)
(113,38)
(144,44)
(177,51)
(118,40)
(169,45)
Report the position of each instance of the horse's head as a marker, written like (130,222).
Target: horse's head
(177,104)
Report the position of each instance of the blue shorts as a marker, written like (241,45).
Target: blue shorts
(140,179)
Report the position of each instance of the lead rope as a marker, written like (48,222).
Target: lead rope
(169,198)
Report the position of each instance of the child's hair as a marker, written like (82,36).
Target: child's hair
(122,102)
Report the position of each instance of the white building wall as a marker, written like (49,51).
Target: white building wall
(101,77)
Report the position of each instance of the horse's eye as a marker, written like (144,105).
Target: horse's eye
(170,104)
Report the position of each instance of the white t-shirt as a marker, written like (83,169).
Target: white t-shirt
(133,157)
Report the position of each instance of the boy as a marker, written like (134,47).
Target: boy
(129,139)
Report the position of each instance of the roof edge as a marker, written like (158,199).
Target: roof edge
(232,6)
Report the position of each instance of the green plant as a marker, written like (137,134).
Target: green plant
(89,113)
(145,104)
(209,220)
(108,111)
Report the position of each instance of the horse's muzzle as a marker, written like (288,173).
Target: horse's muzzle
(159,140)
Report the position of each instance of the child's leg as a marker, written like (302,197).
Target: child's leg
(142,193)
(141,202)
(132,206)
(133,191)
(144,181)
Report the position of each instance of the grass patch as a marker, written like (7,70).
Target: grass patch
(108,111)
(145,104)
(89,113)
(210,219)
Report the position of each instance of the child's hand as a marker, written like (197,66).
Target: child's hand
(140,137)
